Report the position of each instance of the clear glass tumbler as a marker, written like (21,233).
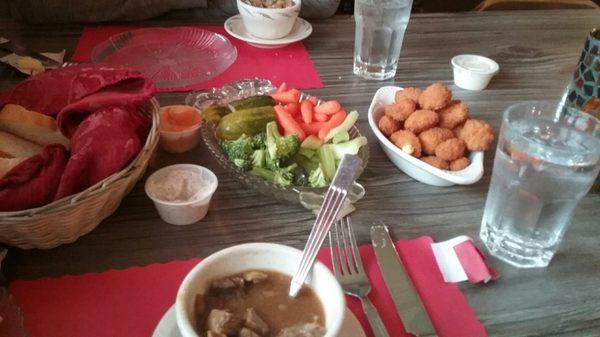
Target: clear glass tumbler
(380,26)
(547,158)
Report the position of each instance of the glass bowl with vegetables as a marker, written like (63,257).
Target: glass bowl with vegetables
(280,141)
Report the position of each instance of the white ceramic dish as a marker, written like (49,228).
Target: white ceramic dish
(473,72)
(415,167)
(249,256)
(167,327)
(269,23)
(235,27)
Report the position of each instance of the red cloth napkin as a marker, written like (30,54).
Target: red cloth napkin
(34,181)
(96,107)
(291,63)
(131,302)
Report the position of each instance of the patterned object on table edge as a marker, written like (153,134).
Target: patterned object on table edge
(584,91)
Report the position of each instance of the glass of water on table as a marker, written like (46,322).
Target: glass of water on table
(380,26)
(547,158)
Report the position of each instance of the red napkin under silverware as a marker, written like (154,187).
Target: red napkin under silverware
(291,64)
(131,302)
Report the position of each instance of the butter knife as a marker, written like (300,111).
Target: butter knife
(406,299)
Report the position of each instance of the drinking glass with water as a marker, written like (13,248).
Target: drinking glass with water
(547,158)
(380,26)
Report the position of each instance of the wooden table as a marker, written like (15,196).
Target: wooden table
(537,52)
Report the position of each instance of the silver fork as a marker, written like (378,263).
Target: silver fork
(332,202)
(349,271)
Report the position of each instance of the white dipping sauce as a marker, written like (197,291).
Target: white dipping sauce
(177,186)
(475,64)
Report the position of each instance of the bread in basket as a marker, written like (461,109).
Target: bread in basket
(112,122)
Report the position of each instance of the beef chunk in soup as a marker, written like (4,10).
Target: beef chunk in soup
(228,283)
(214,334)
(255,276)
(254,322)
(303,330)
(245,332)
(223,322)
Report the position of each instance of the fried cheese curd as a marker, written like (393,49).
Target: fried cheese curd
(421,120)
(400,110)
(451,149)
(477,135)
(435,97)
(407,142)
(409,93)
(436,162)
(453,115)
(459,164)
(388,126)
(433,137)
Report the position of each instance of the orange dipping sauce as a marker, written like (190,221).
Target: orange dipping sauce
(179,117)
(179,128)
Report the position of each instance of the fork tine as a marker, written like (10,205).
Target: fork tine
(346,249)
(348,236)
(342,247)
(334,252)
(355,252)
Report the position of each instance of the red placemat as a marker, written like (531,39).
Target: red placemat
(291,63)
(125,303)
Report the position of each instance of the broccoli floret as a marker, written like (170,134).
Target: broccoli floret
(317,178)
(259,140)
(283,176)
(239,151)
(280,148)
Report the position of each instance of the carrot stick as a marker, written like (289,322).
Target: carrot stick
(336,119)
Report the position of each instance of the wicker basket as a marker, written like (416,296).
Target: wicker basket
(67,219)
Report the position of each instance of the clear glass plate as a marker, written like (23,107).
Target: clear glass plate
(310,198)
(170,56)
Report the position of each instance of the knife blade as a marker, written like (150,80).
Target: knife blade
(15,48)
(406,299)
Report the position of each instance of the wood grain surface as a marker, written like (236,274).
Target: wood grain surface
(537,52)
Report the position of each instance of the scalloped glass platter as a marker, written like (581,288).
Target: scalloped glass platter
(309,197)
(171,57)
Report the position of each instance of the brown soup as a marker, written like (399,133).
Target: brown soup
(231,305)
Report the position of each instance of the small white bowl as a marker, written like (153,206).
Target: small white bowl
(183,212)
(269,23)
(473,72)
(268,256)
(414,167)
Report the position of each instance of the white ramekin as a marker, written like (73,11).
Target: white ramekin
(473,72)
(184,212)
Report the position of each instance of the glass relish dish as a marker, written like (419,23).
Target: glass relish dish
(309,197)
